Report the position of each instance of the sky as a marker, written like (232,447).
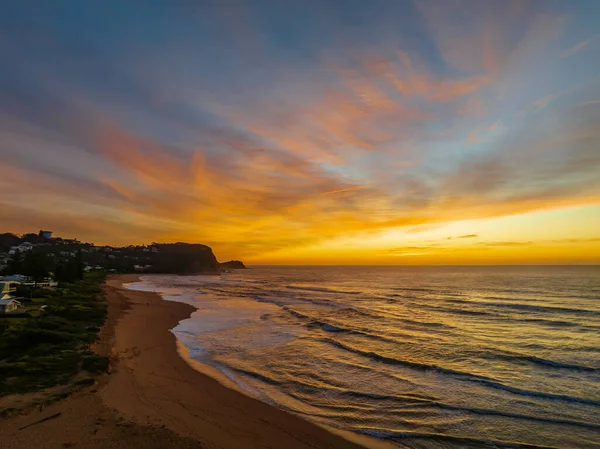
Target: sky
(307,132)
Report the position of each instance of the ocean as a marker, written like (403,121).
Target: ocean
(423,357)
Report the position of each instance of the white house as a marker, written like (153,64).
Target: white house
(7,287)
(25,246)
(46,234)
(8,304)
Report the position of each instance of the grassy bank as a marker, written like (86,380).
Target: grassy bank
(49,346)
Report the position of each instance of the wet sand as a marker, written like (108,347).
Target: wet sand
(152,398)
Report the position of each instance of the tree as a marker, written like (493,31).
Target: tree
(36,265)
(8,239)
(78,264)
(69,269)
(32,238)
(15,264)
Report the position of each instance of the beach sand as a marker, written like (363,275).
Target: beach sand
(152,398)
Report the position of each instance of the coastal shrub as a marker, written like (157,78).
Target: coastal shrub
(32,337)
(50,348)
(94,364)
(86,381)
(52,322)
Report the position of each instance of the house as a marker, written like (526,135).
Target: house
(25,246)
(4,258)
(8,304)
(45,234)
(13,278)
(7,287)
(41,284)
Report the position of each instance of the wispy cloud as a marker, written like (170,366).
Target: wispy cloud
(577,48)
(348,189)
(589,103)
(507,244)
(466,236)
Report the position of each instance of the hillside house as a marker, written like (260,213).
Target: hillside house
(23,247)
(7,287)
(45,234)
(13,278)
(8,304)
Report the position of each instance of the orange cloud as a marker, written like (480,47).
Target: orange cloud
(349,189)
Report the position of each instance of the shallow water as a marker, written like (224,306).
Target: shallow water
(425,356)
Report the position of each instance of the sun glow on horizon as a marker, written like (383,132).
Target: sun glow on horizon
(534,238)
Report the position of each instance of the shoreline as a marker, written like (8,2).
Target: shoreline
(194,402)
(153,398)
(213,376)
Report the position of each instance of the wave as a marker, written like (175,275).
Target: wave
(296,314)
(534,308)
(391,434)
(542,361)
(415,289)
(458,311)
(513,306)
(487,381)
(426,323)
(477,411)
(328,326)
(430,402)
(539,394)
(555,323)
(392,361)
(254,374)
(351,331)
(301,381)
(322,290)
(284,301)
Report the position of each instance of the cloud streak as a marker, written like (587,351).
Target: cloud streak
(575,49)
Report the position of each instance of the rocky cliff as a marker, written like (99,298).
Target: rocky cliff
(233,265)
(183,258)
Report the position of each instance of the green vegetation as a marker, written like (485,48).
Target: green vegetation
(44,348)
(38,265)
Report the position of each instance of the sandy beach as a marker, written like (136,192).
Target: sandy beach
(153,398)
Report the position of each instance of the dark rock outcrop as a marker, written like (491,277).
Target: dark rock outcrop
(233,265)
(183,258)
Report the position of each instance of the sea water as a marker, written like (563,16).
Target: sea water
(420,356)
